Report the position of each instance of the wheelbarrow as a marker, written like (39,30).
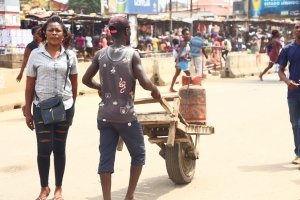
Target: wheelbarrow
(174,135)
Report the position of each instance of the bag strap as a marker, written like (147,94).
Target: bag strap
(68,68)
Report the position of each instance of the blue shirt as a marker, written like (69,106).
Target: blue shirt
(290,53)
(196,44)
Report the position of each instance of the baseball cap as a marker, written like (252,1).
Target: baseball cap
(118,23)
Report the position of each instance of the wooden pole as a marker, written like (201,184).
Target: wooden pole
(170,16)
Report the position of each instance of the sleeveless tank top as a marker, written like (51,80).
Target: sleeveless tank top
(118,86)
(186,50)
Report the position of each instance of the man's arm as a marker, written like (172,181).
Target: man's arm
(283,60)
(87,78)
(290,83)
(140,74)
(204,52)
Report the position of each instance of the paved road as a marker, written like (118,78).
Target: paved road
(247,158)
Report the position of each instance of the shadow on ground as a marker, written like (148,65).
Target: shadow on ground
(276,167)
(148,189)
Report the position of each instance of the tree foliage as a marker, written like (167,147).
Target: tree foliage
(85,6)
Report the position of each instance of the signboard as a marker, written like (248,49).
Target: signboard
(129,6)
(2,7)
(240,7)
(280,8)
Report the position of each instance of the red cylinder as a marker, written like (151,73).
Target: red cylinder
(193,103)
(194,80)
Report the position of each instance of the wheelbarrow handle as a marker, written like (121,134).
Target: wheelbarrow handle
(165,104)
(151,100)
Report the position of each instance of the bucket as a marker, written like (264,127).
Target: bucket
(193,104)
(194,80)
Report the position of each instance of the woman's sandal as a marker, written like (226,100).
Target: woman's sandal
(59,196)
(44,197)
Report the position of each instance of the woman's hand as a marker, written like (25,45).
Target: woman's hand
(19,77)
(29,120)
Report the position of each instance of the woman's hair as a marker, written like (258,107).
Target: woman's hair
(175,41)
(275,33)
(67,40)
(53,19)
(35,29)
(184,31)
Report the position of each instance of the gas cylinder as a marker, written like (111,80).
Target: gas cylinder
(192,100)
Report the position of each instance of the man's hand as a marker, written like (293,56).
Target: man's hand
(156,94)
(292,85)
(100,93)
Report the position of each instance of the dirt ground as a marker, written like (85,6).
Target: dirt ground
(249,156)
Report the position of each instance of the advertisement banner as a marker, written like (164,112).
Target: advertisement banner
(141,6)
(280,8)
(129,6)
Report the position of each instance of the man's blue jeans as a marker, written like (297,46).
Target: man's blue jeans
(294,111)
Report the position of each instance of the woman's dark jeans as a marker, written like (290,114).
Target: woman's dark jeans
(51,138)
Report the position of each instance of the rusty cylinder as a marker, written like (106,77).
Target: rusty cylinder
(192,100)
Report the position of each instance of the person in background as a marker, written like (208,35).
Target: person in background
(89,46)
(103,41)
(226,48)
(148,42)
(119,66)
(183,58)
(36,33)
(197,46)
(80,45)
(240,43)
(163,46)
(255,46)
(155,44)
(273,53)
(37,40)
(263,44)
(216,59)
(47,77)
(95,41)
(175,44)
(290,54)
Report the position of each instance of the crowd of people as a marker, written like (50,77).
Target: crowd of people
(87,45)
(218,44)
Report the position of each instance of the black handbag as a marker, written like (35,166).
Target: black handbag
(53,109)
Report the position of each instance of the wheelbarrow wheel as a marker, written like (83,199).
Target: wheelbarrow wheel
(180,167)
